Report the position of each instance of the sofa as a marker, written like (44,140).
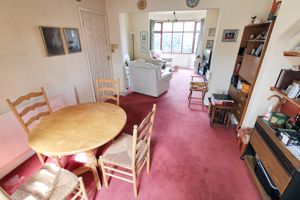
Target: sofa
(149,79)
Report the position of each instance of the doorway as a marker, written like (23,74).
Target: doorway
(96,39)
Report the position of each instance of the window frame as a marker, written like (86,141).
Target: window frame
(182,32)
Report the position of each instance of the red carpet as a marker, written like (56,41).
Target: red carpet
(190,160)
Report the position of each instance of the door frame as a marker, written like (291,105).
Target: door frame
(81,9)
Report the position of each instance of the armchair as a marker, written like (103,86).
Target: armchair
(149,79)
(156,58)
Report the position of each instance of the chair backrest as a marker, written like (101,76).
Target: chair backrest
(108,89)
(21,115)
(156,53)
(142,133)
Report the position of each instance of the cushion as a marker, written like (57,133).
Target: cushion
(50,182)
(120,152)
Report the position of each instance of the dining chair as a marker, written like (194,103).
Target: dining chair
(128,154)
(108,89)
(198,86)
(35,106)
(50,182)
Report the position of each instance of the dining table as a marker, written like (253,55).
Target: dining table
(79,128)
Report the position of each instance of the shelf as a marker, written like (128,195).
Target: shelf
(292,53)
(250,163)
(252,55)
(262,41)
(293,101)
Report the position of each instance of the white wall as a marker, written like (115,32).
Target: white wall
(211,21)
(24,66)
(286,33)
(139,22)
(234,14)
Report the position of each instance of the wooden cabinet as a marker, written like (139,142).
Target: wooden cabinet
(280,164)
(252,49)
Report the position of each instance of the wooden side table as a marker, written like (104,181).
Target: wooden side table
(219,114)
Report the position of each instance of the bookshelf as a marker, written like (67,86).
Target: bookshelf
(251,53)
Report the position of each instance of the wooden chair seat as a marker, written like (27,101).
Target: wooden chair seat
(52,183)
(198,86)
(120,152)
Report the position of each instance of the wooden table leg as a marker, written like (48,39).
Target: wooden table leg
(93,165)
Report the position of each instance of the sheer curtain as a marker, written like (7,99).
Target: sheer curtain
(200,39)
(152,22)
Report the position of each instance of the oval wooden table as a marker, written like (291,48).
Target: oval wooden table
(76,129)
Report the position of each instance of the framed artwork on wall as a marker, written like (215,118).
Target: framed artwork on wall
(144,48)
(211,31)
(230,35)
(209,44)
(144,36)
(52,39)
(72,40)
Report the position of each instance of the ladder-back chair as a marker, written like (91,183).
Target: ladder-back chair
(40,108)
(129,153)
(108,89)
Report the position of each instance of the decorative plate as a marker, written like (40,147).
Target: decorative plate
(192,3)
(141,4)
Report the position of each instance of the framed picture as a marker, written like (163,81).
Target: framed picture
(209,44)
(144,36)
(72,40)
(52,40)
(144,48)
(211,31)
(230,35)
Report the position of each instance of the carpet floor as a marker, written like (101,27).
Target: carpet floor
(190,159)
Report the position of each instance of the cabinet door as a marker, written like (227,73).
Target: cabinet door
(249,68)
(278,174)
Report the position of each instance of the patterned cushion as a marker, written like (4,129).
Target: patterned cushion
(120,152)
(50,182)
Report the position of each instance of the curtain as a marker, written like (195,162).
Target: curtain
(200,39)
(152,22)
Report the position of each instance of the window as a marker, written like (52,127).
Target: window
(176,37)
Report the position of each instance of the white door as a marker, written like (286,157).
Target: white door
(95,31)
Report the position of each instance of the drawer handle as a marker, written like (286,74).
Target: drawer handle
(266,175)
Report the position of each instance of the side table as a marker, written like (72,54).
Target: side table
(219,114)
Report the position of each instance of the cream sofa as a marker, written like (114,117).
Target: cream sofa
(149,79)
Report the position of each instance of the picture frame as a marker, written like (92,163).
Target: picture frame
(211,31)
(209,44)
(144,48)
(144,36)
(52,39)
(230,35)
(72,40)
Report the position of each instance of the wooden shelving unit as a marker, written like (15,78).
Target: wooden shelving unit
(292,101)
(247,65)
(292,53)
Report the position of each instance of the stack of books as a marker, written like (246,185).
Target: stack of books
(221,99)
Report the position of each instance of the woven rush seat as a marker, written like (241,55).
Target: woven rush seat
(120,152)
(198,85)
(50,182)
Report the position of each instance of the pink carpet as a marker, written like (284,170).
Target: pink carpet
(190,160)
